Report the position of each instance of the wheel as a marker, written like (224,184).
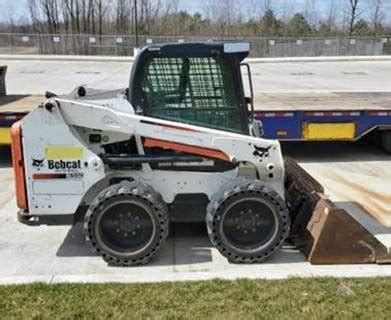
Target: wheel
(127,224)
(247,221)
(386,140)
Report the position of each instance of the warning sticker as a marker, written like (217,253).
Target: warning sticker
(63,152)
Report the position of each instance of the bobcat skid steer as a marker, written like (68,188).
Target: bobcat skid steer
(180,144)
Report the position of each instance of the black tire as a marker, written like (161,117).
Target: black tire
(386,140)
(247,221)
(127,224)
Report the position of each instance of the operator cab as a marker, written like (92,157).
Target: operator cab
(194,83)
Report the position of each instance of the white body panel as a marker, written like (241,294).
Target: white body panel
(43,129)
(57,128)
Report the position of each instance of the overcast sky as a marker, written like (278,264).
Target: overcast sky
(18,7)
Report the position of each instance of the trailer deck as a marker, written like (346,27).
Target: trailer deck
(12,109)
(316,101)
(19,103)
(328,116)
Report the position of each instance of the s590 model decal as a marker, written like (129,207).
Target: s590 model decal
(51,176)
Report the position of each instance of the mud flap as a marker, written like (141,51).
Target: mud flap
(324,233)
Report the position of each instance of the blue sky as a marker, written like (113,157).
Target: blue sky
(18,7)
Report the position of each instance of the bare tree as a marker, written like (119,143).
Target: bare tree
(50,10)
(72,9)
(225,13)
(257,8)
(221,17)
(149,11)
(331,20)
(101,12)
(310,12)
(377,16)
(287,10)
(123,13)
(34,15)
(9,17)
(354,14)
(167,22)
(328,24)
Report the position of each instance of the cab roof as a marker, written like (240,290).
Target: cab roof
(198,49)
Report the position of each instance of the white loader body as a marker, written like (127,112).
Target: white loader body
(64,170)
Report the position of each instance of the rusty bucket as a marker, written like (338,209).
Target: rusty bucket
(325,233)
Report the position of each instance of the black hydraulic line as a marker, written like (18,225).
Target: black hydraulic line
(128,160)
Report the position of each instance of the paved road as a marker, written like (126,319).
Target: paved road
(58,254)
(35,77)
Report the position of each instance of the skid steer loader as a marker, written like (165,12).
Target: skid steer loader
(180,144)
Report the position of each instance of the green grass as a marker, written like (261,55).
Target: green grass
(244,299)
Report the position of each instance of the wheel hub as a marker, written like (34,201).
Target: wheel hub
(128,223)
(248,224)
(126,227)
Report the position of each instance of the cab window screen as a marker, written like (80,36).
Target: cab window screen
(193,90)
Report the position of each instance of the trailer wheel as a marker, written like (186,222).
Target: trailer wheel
(247,221)
(386,140)
(127,224)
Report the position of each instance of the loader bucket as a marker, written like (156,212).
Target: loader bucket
(325,233)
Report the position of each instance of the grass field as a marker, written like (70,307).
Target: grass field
(244,299)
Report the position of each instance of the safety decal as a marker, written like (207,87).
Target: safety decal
(63,152)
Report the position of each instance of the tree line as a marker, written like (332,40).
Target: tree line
(225,18)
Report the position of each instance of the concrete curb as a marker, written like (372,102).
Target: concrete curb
(250,60)
(271,273)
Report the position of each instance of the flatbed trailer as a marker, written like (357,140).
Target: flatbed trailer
(12,109)
(331,116)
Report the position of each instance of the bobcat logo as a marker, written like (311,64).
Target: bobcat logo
(261,152)
(38,163)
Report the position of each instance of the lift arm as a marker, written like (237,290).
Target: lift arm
(265,155)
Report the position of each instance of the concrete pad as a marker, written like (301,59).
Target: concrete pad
(61,76)
(56,254)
